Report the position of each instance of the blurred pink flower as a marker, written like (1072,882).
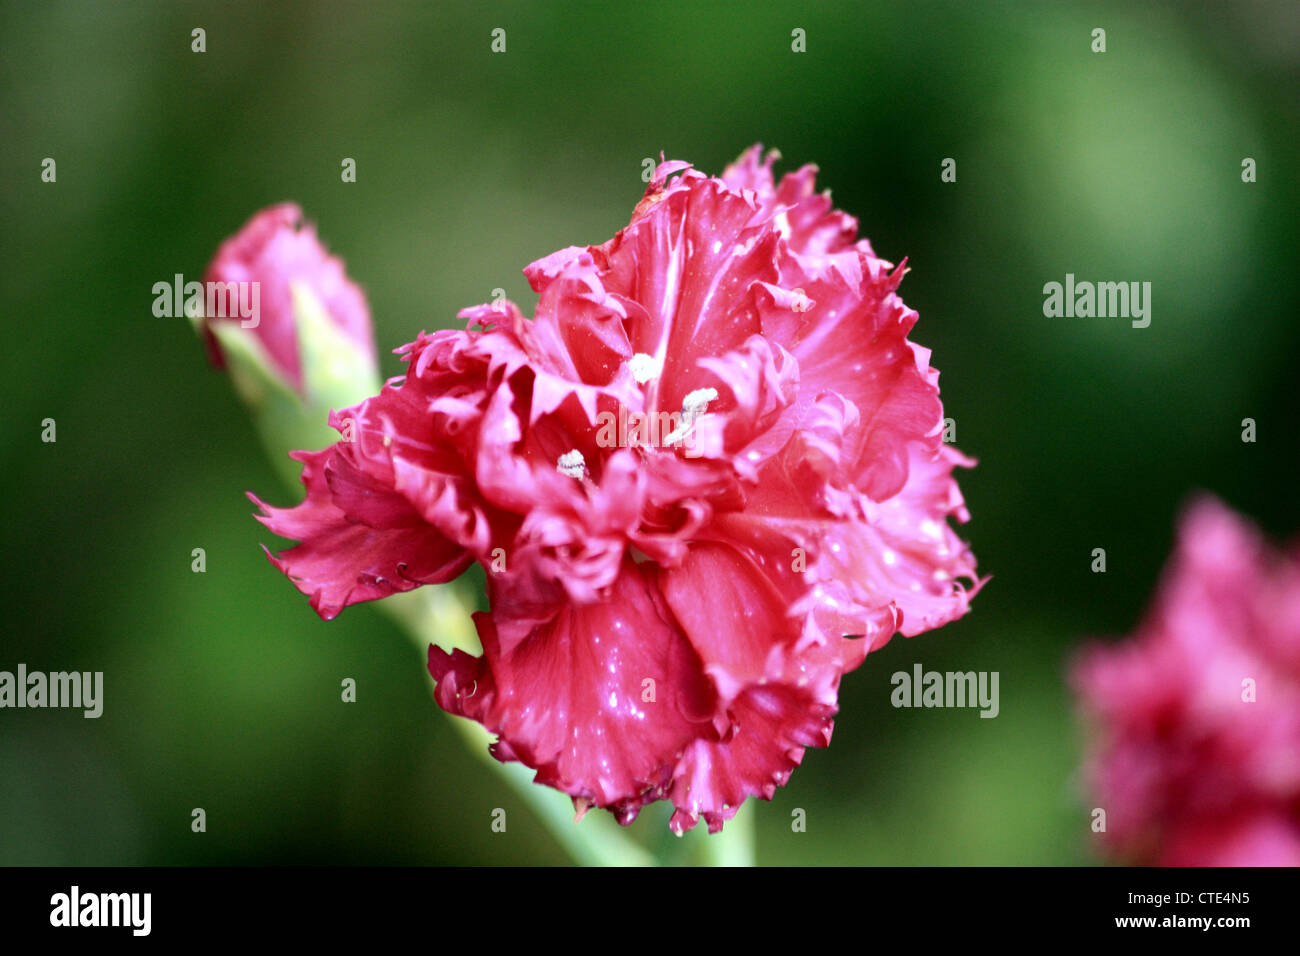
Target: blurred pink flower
(1196,753)
(669,609)
(277,250)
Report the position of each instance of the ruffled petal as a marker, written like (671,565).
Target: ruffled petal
(689,263)
(773,726)
(342,559)
(600,699)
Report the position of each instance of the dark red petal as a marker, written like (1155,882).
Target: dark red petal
(569,695)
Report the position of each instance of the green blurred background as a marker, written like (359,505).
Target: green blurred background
(222,689)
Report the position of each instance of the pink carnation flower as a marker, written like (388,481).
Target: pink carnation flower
(277,250)
(671,608)
(1196,758)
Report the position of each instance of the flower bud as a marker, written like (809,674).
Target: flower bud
(301,343)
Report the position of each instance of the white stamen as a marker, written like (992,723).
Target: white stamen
(644,367)
(693,406)
(572,463)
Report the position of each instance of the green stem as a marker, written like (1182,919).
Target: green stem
(595,841)
(734,846)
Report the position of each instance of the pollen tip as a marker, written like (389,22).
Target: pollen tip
(572,463)
(644,367)
(697,401)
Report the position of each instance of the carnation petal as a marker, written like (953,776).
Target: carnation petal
(600,699)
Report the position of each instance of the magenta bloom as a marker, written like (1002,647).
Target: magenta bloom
(1196,758)
(706,479)
(278,251)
